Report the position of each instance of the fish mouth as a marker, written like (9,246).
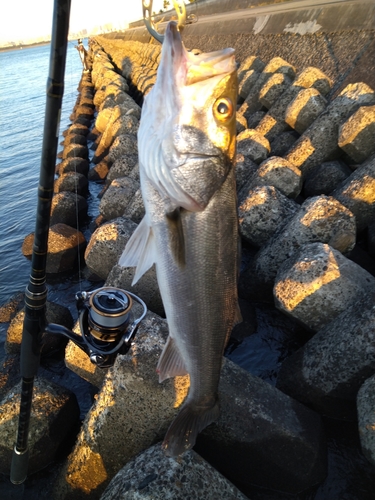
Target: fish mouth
(196,67)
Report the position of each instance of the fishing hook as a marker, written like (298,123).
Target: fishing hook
(180,8)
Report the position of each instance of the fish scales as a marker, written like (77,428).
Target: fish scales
(190,229)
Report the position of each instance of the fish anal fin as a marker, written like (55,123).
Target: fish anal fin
(176,236)
(140,250)
(170,363)
(183,431)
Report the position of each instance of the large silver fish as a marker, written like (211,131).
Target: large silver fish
(186,143)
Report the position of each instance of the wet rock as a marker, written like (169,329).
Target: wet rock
(262,212)
(304,109)
(273,89)
(122,166)
(73,164)
(366,418)
(54,415)
(356,135)
(325,178)
(107,244)
(50,343)
(245,168)
(65,246)
(71,181)
(318,283)
(276,440)
(281,174)
(153,475)
(327,372)
(320,219)
(253,145)
(117,197)
(319,142)
(357,193)
(68,208)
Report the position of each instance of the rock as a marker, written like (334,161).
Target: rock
(357,193)
(245,168)
(71,181)
(55,313)
(73,164)
(146,288)
(327,372)
(356,135)
(253,145)
(68,208)
(263,212)
(320,219)
(273,89)
(281,174)
(325,178)
(319,142)
(273,123)
(366,418)
(304,109)
(155,476)
(107,244)
(318,283)
(54,414)
(117,197)
(122,166)
(65,246)
(277,441)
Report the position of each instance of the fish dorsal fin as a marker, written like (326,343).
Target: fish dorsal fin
(176,236)
(140,250)
(170,363)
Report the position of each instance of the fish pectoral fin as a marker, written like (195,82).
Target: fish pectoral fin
(170,363)
(176,236)
(183,431)
(140,250)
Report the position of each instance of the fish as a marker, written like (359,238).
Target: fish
(187,145)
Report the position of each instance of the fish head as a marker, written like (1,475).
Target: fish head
(187,137)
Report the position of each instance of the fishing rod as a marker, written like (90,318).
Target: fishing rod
(106,317)
(36,291)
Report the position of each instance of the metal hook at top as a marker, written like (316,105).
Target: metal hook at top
(179,5)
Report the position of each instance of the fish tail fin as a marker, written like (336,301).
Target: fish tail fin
(183,431)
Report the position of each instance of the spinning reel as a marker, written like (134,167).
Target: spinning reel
(106,323)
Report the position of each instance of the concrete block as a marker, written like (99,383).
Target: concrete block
(255,118)
(273,89)
(325,178)
(319,142)
(68,208)
(153,475)
(241,123)
(318,283)
(319,219)
(277,441)
(263,211)
(366,418)
(327,372)
(135,210)
(253,145)
(123,144)
(71,181)
(250,63)
(283,142)
(357,134)
(74,150)
(122,166)
(304,109)
(245,168)
(74,164)
(357,193)
(107,244)
(117,197)
(281,174)
(246,84)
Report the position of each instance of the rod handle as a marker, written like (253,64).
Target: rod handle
(20,462)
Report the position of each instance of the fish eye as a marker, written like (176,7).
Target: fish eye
(223,109)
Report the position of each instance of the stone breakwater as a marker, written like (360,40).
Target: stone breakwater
(306,200)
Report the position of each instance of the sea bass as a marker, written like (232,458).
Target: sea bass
(186,143)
